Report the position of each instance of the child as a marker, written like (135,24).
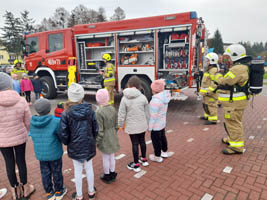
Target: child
(158,108)
(37,85)
(134,111)
(26,87)
(59,109)
(78,130)
(16,83)
(107,139)
(48,149)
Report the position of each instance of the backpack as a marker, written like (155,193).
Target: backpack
(256,74)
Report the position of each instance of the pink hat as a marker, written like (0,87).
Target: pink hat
(158,85)
(14,75)
(102,97)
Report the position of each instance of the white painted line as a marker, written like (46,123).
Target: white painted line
(205,129)
(251,137)
(140,174)
(227,169)
(207,197)
(264,119)
(73,180)
(169,131)
(244,150)
(120,156)
(185,123)
(259,126)
(65,152)
(148,142)
(190,140)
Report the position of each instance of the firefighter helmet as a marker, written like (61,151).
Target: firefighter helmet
(106,57)
(235,52)
(213,58)
(16,62)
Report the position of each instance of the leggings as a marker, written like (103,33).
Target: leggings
(108,163)
(15,155)
(137,139)
(159,141)
(78,169)
(28,96)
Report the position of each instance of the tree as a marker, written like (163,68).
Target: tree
(80,15)
(12,36)
(101,15)
(71,20)
(217,42)
(27,23)
(60,18)
(118,15)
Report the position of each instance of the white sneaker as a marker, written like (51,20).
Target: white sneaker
(154,158)
(143,161)
(3,192)
(166,154)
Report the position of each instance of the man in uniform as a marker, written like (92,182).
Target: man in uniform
(109,77)
(207,88)
(18,69)
(233,95)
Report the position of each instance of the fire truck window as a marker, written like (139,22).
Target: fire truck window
(33,44)
(55,42)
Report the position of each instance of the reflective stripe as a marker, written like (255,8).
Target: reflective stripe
(206,74)
(211,100)
(212,77)
(227,116)
(217,76)
(213,118)
(230,74)
(236,97)
(111,102)
(236,144)
(244,83)
(211,89)
(204,90)
(255,87)
(109,79)
(206,115)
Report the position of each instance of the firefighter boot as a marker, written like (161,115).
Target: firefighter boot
(225,141)
(203,118)
(230,151)
(210,123)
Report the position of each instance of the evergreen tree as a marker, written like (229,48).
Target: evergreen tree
(27,23)
(217,43)
(101,15)
(12,36)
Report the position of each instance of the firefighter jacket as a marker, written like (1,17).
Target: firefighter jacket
(207,84)
(237,76)
(109,75)
(19,72)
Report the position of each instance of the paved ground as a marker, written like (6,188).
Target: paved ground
(195,171)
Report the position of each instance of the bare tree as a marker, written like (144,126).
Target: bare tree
(118,15)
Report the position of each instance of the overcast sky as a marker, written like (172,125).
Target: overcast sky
(237,20)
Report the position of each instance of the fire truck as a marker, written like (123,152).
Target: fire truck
(166,47)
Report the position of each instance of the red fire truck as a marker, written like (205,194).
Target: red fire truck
(168,47)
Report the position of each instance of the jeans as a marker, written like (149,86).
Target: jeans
(159,141)
(15,155)
(137,139)
(52,170)
(37,95)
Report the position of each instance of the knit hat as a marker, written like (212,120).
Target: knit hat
(102,97)
(5,81)
(24,75)
(75,92)
(14,76)
(42,106)
(158,85)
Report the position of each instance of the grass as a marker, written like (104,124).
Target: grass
(265,75)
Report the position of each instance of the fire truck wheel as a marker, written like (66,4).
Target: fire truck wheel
(145,88)
(49,90)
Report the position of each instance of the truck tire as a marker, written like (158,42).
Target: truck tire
(49,90)
(145,88)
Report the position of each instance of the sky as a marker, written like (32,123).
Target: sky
(237,20)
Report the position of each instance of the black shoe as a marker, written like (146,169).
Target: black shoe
(106,178)
(229,151)
(113,175)
(210,123)
(203,118)
(92,196)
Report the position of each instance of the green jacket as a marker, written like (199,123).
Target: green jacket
(107,138)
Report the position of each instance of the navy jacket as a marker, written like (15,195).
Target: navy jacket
(37,85)
(44,132)
(78,130)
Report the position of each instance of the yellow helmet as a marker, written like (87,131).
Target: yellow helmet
(17,61)
(106,57)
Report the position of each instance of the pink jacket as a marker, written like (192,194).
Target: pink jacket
(26,85)
(15,118)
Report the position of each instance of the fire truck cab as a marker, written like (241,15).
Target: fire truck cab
(168,47)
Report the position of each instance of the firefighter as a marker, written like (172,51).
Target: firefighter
(109,77)
(18,69)
(207,90)
(233,95)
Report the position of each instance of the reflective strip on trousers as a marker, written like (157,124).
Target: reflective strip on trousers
(211,89)
(213,118)
(206,115)
(236,144)
(211,100)
(109,79)
(204,90)
(236,97)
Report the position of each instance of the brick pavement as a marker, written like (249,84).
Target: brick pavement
(196,168)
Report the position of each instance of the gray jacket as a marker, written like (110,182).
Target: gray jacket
(133,111)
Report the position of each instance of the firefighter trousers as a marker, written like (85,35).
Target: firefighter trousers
(234,128)
(210,108)
(110,90)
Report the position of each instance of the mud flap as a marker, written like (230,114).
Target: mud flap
(206,108)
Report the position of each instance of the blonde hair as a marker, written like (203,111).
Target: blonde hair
(69,104)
